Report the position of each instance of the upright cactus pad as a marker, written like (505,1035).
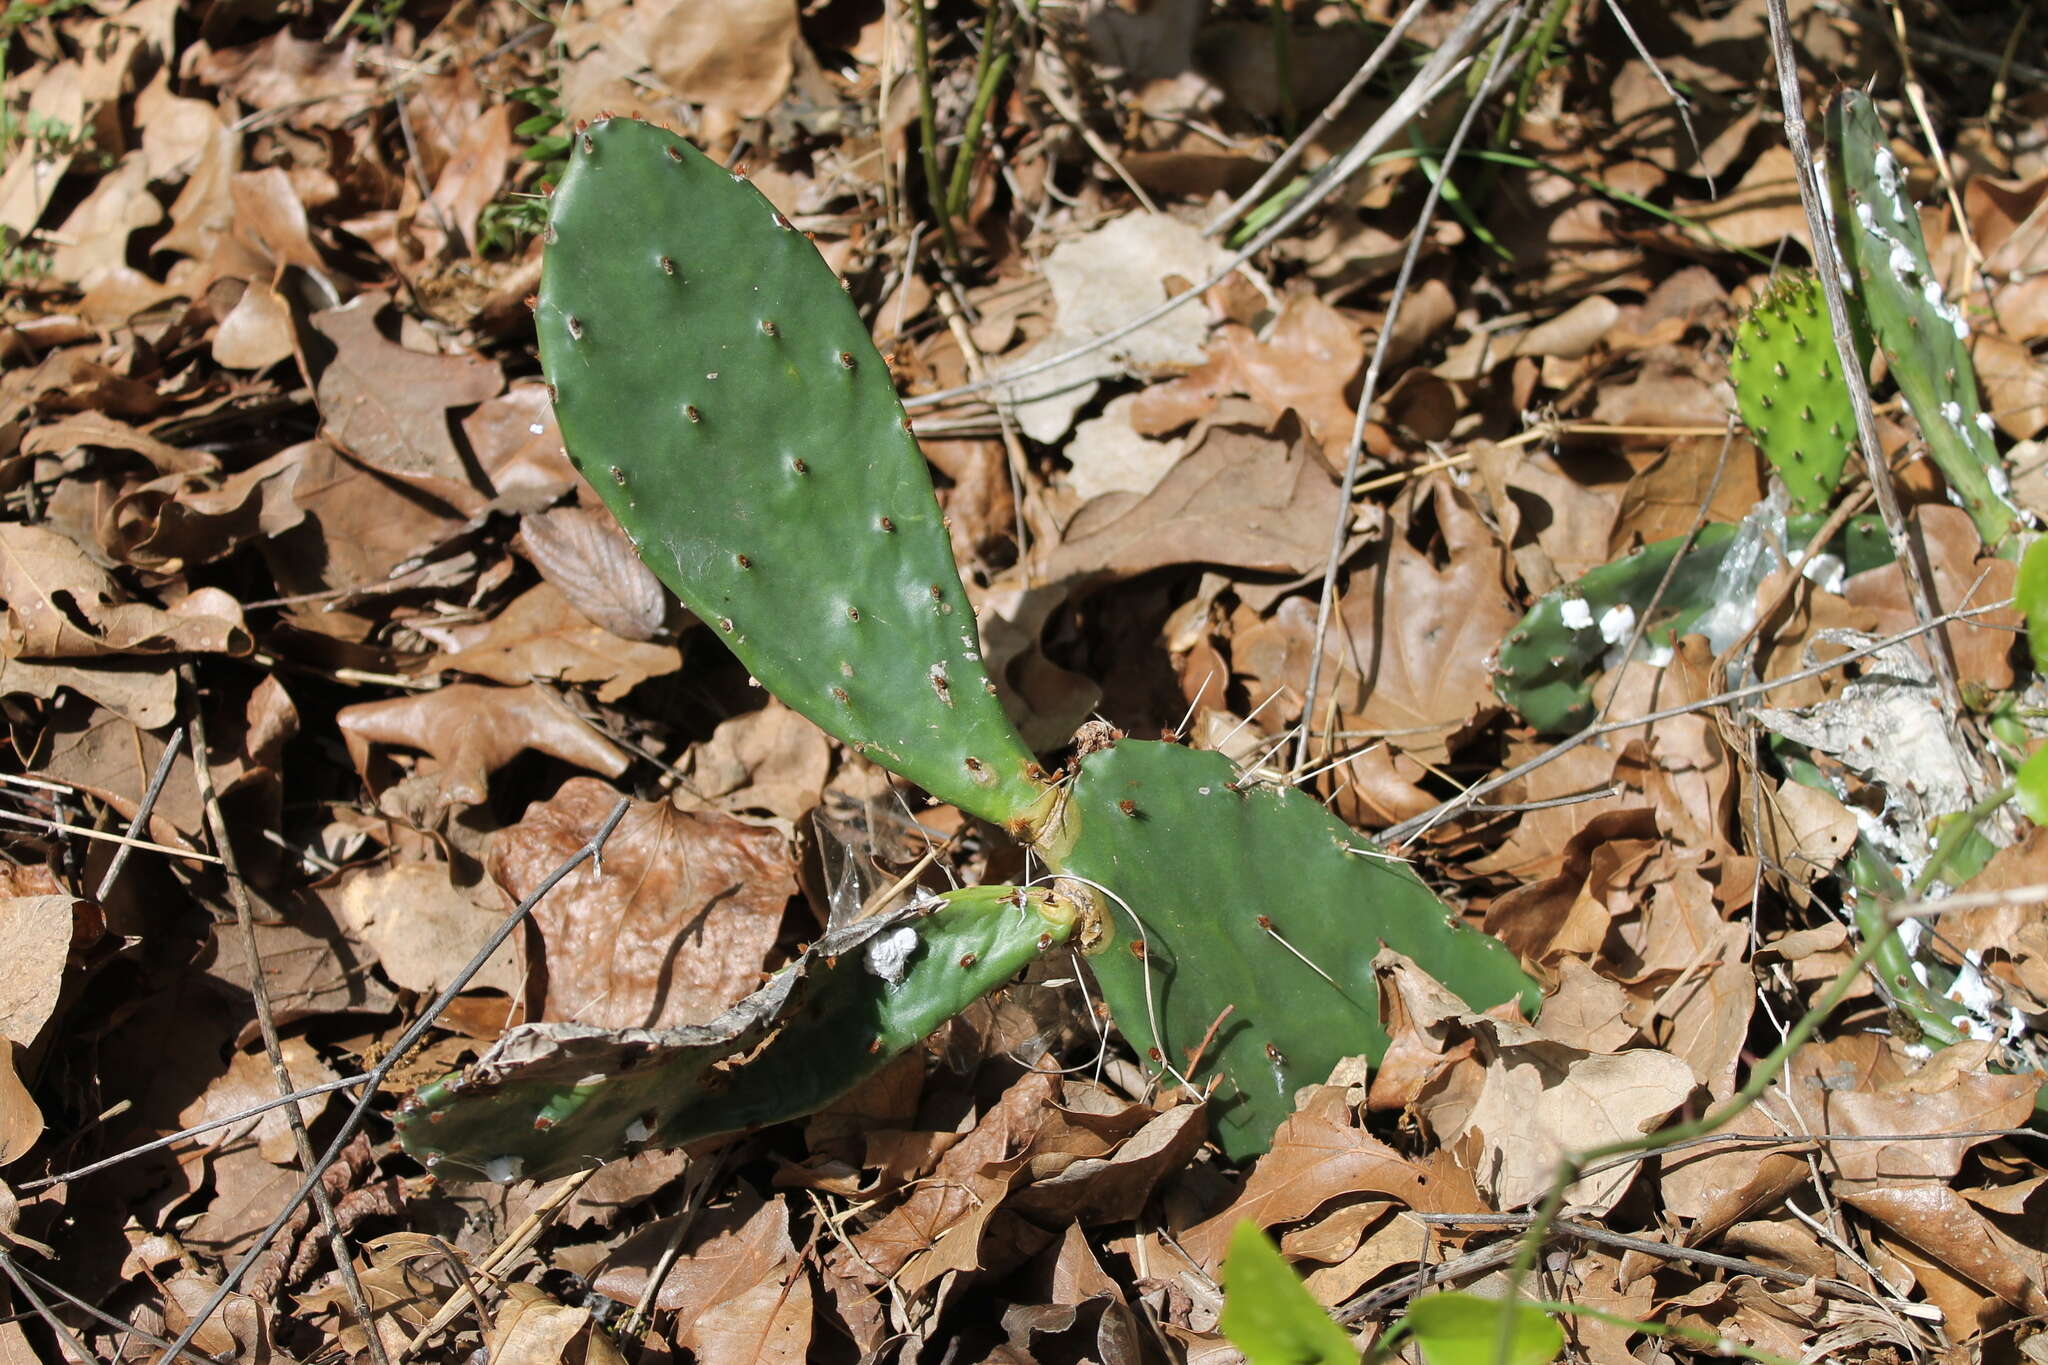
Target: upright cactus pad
(552,1098)
(1921,332)
(1546,665)
(1248,925)
(715,384)
(1790,389)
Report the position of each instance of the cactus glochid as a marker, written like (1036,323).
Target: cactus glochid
(717,387)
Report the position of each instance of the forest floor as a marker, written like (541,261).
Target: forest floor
(288,528)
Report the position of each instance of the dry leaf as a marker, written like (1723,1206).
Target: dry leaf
(540,637)
(424,929)
(60,605)
(473,731)
(582,552)
(675,924)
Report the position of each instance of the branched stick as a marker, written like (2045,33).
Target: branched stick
(1354,450)
(266,1022)
(590,851)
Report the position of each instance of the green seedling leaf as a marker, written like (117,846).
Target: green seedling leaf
(548,1099)
(1464,1329)
(718,388)
(2033,600)
(1268,1313)
(1244,927)
(2031,786)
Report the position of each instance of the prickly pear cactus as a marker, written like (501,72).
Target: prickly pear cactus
(715,384)
(1546,665)
(548,1099)
(1248,923)
(1921,333)
(1790,390)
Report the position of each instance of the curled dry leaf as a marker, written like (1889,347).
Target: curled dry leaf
(35,940)
(424,929)
(675,925)
(61,605)
(473,731)
(530,1328)
(583,553)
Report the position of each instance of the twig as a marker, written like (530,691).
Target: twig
(1339,102)
(503,1255)
(266,1023)
(18,1273)
(157,777)
(1354,450)
(411,1036)
(1827,262)
(65,1337)
(1443,68)
(172,1139)
(80,831)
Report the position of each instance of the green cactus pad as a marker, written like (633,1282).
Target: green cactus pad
(1790,389)
(548,1099)
(1922,334)
(717,387)
(1261,903)
(1547,663)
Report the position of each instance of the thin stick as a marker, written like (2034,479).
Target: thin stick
(266,1023)
(1442,69)
(59,827)
(18,1273)
(172,1139)
(65,1337)
(157,777)
(1354,451)
(1339,102)
(1828,265)
(411,1036)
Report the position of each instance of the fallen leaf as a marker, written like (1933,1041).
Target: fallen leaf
(1543,1100)
(1099,282)
(540,637)
(530,1328)
(582,551)
(60,605)
(738,56)
(21,1121)
(767,760)
(674,925)
(35,941)
(387,405)
(472,731)
(424,929)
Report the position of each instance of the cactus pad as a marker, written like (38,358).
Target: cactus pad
(1921,333)
(1791,392)
(1547,663)
(717,387)
(1257,916)
(552,1098)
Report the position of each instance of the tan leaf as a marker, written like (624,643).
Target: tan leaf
(61,605)
(675,924)
(530,1328)
(387,405)
(1543,1100)
(424,928)
(736,54)
(473,731)
(21,1121)
(582,551)
(35,940)
(540,637)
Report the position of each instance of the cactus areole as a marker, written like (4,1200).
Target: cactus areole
(716,386)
